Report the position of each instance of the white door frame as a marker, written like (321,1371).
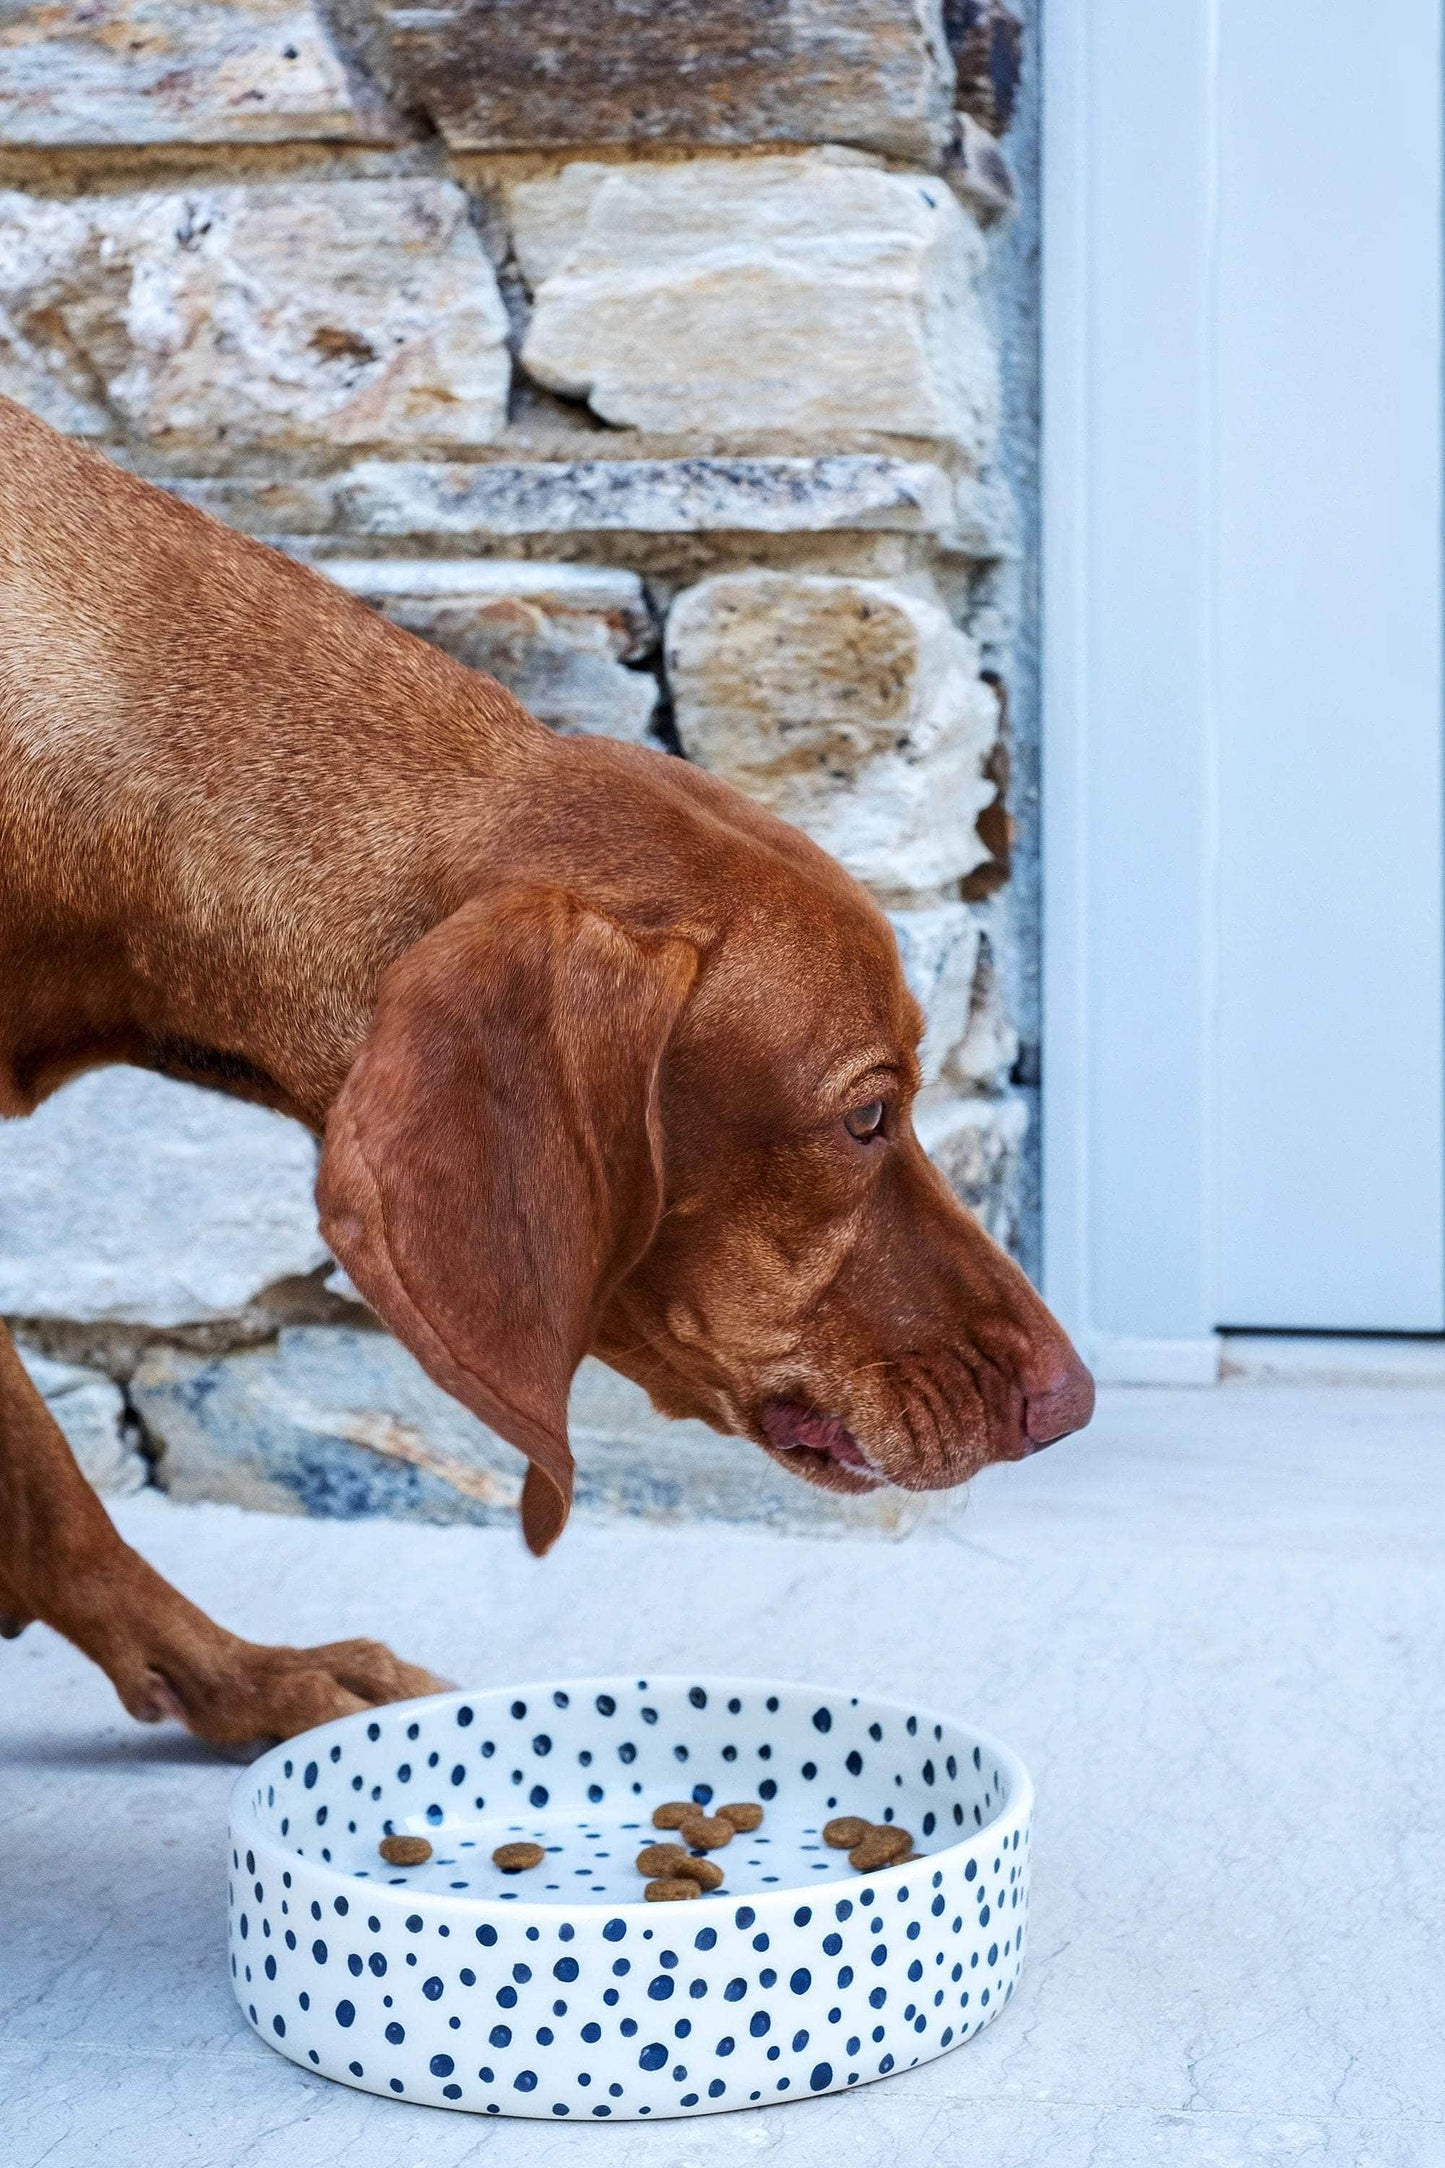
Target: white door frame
(1131,829)
(1128,132)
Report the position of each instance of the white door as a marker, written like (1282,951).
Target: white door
(1244,1084)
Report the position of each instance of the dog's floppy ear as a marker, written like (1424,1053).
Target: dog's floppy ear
(493,1161)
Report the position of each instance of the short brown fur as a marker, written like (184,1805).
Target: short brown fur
(578,1023)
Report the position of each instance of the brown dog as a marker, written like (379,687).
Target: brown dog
(605,1057)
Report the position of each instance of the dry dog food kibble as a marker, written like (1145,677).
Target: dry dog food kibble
(881,1846)
(663,1859)
(676,1872)
(707,1832)
(404,1851)
(512,1858)
(844,1831)
(744,1814)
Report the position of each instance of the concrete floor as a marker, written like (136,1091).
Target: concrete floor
(1214,1626)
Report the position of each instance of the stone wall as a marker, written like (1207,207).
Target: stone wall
(640,356)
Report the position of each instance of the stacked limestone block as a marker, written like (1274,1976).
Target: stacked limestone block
(633,355)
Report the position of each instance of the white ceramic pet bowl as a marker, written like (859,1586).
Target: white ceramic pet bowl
(559,1992)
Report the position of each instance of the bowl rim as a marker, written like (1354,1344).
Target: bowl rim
(534,1911)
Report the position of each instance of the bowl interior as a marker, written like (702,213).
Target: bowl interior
(579,1768)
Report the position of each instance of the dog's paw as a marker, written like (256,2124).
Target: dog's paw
(258,1694)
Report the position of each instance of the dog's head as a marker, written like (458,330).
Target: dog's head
(666,1119)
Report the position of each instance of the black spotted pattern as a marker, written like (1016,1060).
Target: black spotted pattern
(556,1993)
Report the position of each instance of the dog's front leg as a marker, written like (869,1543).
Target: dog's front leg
(62,1561)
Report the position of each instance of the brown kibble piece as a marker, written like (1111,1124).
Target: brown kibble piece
(844,1831)
(663,1859)
(707,1832)
(669,1888)
(673,1813)
(705,1872)
(512,1858)
(404,1851)
(883,1846)
(744,1814)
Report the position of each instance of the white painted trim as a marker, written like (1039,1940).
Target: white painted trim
(1262,1359)
(1065,208)
(1295,1358)
(1118,1361)
(1128,236)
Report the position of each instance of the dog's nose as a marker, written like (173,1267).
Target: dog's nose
(1062,1406)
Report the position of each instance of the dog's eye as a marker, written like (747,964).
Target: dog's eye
(864,1122)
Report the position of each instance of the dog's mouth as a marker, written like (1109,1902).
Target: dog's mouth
(820,1447)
